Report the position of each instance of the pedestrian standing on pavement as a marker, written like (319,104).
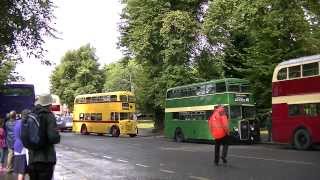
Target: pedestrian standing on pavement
(269,125)
(10,139)
(219,128)
(3,146)
(42,161)
(20,152)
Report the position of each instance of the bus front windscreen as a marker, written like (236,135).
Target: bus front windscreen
(248,112)
(235,112)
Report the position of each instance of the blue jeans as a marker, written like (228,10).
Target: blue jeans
(3,154)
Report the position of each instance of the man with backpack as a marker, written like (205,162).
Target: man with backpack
(42,156)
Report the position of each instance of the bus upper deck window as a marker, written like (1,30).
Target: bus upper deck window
(233,88)
(123,98)
(282,74)
(106,98)
(221,87)
(310,69)
(132,99)
(210,89)
(295,71)
(113,98)
(244,89)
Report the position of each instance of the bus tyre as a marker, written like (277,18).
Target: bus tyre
(179,137)
(115,132)
(302,139)
(134,135)
(84,130)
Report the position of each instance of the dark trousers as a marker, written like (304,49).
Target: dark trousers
(41,171)
(225,142)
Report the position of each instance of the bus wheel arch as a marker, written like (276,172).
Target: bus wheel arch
(301,139)
(84,130)
(115,131)
(134,135)
(178,135)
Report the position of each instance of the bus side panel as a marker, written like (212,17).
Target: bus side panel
(296,86)
(202,131)
(281,125)
(169,125)
(313,125)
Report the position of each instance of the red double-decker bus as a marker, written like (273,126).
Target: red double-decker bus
(296,102)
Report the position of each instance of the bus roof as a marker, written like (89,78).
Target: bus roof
(105,94)
(301,60)
(294,62)
(19,85)
(229,80)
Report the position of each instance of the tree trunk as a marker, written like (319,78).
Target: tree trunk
(159,118)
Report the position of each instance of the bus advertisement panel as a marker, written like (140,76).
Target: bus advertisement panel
(189,107)
(296,102)
(16,97)
(105,113)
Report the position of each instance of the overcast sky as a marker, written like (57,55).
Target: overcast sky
(79,22)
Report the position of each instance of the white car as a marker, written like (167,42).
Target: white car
(64,123)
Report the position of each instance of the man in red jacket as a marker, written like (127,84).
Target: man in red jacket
(219,128)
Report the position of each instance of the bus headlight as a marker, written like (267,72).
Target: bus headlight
(251,128)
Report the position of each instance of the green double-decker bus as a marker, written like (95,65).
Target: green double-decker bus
(189,107)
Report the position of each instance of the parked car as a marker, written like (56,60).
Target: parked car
(64,123)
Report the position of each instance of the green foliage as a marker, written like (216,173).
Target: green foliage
(78,73)
(254,36)
(23,25)
(6,71)
(179,42)
(161,35)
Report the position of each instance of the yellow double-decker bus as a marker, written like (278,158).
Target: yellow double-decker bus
(105,113)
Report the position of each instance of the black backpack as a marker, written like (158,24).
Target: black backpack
(33,132)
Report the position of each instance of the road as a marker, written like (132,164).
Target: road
(102,157)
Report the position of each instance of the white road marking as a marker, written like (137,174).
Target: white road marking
(142,165)
(120,160)
(276,160)
(108,157)
(167,171)
(198,178)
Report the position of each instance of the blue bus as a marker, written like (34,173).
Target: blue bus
(16,97)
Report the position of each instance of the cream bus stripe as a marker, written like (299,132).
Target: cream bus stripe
(194,108)
(297,99)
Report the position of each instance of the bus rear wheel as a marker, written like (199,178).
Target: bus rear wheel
(301,139)
(115,132)
(179,137)
(84,130)
(134,135)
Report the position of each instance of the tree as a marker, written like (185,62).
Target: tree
(23,25)
(161,35)
(253,36)
(78,73)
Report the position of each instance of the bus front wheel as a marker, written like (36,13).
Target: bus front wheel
(115,132)
(179,137)
(84,130)
(301,139)
(134,135)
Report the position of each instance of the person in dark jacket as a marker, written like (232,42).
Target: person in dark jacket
(42,161)
(10,139)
